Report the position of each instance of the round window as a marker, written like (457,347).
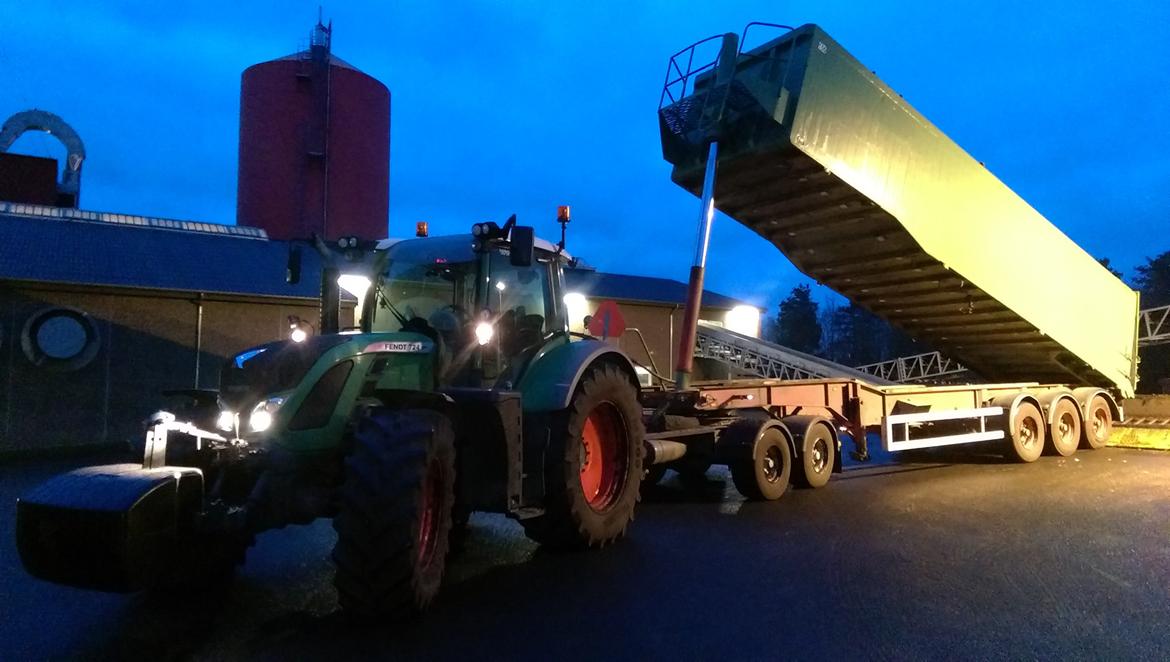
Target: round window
(60,338)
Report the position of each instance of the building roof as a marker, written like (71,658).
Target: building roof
(600,285)
(60,245)
(52,244)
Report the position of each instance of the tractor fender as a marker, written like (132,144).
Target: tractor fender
(549,382)
(1050,397)
(1085,395)
(738,440)
(799,424)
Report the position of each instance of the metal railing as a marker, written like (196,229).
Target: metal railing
(1154,326)
(930,365)
(768,360)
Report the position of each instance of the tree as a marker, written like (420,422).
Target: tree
(1153,279)
(856,336)
(796,324)
(1104,261)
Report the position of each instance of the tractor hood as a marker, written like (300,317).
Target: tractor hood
(272,368)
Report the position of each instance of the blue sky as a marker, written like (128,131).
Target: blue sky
(502,107)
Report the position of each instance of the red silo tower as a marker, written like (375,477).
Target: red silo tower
(314,147)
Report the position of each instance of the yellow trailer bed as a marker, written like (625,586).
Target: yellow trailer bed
(862,193)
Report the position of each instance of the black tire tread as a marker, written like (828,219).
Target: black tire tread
(376,524)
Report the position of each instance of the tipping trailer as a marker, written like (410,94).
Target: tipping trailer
(862,193)
(801,143)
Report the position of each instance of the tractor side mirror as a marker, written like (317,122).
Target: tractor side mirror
(292,271)
(523,239)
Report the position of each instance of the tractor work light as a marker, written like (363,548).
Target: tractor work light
(262,414)
(486,230)
(298,334)
(484,332)
(226,421)
(355,284)
(298,329)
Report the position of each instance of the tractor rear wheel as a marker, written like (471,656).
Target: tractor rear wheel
(593,466)
(395,514)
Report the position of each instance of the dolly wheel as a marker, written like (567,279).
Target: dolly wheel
(818,454)
(765,475)
(1098,423)
(1064,430)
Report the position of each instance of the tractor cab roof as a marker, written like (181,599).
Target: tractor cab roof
(452,248)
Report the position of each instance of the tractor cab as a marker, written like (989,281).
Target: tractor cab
(488,302)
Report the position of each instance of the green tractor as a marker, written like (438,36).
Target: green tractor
(462,391)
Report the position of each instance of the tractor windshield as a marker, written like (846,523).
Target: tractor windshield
(428,279)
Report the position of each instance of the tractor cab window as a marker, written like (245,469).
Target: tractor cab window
(520,299)
(428,286)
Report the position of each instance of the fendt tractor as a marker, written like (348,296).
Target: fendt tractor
(463,389)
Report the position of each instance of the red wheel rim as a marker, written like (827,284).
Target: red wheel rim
(430,514)
(604,456)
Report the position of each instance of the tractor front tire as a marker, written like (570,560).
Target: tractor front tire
(394,520)
(593,466)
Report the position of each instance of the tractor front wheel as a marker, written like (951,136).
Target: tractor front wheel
(394,520)
(593,466)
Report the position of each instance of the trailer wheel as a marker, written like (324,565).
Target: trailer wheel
(1026,433)
(395,514)
(593,466)
(817,456)
(764,476)
(1064,431)
(1098,423)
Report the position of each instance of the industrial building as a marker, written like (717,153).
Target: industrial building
(102,312)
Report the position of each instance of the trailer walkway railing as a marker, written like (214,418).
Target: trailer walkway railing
(1154,326)
(916,368)
(769,360)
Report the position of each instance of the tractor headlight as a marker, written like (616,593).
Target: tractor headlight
(226,421)
(262,414)
(484,332)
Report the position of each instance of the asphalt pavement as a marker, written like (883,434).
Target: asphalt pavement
(943,556)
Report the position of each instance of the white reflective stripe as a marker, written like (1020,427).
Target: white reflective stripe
(948,440)
(945,415)
(979,415)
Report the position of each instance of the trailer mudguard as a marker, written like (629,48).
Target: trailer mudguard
(553,374)
(110,528)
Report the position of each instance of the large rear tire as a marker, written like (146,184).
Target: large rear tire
(593,466)
(764,476)
(395,514)
(1064,430)
(1026,433)
(1098,423)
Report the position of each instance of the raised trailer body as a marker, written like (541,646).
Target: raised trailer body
(862,193)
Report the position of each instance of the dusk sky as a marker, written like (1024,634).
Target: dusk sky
(502,107)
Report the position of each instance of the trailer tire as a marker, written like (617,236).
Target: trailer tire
(1064,429)
(394,519)
(764,477)
(818,455)
(1098,424)
(593,465)
(1026,433)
